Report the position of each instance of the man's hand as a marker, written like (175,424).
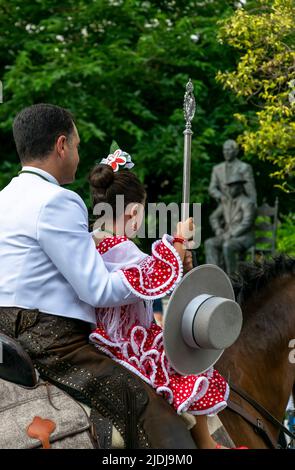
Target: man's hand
(188,261)
(219,232)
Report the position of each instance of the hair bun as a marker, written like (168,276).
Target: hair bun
(101,177)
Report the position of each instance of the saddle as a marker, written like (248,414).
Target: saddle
(46,416)
(16,365)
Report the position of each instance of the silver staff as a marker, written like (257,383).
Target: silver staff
(189,108)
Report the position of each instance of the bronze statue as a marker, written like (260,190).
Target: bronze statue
(232,167)
(232,223)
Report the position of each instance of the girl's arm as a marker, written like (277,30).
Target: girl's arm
(148,277)
(183,233)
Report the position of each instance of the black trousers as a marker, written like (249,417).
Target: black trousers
(60,351)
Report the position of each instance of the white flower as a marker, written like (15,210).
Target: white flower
(195,37)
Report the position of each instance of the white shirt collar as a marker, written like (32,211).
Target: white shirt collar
(44,173)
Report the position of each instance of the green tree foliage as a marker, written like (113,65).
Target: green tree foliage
(121,68)
(264,37)
(286,235)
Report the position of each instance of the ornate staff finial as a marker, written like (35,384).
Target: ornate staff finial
(189,105)
(189,108)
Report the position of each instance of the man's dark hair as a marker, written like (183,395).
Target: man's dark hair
(36,129)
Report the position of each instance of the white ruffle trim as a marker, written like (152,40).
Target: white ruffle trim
(152,292)
(201,383)
(214,410)
(166,391)
(95,335)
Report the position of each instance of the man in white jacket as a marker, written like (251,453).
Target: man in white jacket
(52,278)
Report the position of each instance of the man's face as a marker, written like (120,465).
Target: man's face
(229,151)
(72,159)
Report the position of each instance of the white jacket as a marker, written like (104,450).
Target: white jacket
(48,259)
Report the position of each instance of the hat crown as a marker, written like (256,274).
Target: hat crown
(201,318)
(211,322)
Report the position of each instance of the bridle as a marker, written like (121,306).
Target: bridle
(257,422)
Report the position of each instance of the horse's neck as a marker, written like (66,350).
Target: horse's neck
(258,362)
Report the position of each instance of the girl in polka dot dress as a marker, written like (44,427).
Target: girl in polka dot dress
(128,334)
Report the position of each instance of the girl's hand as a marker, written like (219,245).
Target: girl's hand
(99,235)
(186,229)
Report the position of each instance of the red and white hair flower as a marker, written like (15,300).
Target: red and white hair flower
(118,159)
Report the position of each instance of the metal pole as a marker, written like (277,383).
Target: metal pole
(189,108)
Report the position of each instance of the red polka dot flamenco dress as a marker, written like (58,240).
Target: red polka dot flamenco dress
(130,337)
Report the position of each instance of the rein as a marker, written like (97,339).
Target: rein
(258,424)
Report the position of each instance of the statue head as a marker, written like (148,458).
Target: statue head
(230,150)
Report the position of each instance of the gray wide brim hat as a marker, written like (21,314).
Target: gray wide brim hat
(201,320)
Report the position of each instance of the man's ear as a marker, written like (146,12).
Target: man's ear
(60,145)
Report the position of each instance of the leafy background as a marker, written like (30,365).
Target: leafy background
(121,68)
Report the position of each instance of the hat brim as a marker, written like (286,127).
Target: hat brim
(204,279)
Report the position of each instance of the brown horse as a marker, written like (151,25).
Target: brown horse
(260,362)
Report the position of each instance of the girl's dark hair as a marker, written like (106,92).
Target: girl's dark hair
(105,185)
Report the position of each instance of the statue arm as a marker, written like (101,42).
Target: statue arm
(216,220)
(250,185)
(247,223)
(214,190)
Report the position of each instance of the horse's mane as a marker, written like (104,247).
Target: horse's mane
(253,277)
